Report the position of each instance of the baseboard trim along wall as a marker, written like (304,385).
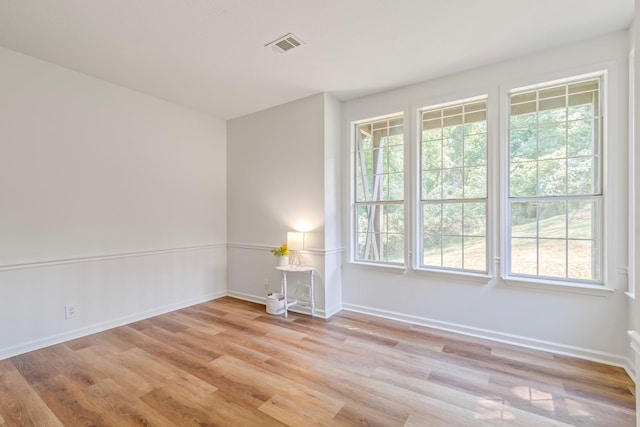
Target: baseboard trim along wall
(100,327)
(521,341)
(262,300)
(48,263)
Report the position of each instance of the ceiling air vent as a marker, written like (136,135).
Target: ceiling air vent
(285,43)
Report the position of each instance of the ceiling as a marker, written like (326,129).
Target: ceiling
(210,55)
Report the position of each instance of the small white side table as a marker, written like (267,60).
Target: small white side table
(293,269)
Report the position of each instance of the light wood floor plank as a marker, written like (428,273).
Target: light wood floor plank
(229,363)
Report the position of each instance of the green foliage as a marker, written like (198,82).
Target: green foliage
(553,153)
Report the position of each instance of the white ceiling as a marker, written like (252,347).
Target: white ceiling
(210,54)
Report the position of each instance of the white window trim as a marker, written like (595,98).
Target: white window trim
(631,270)
(497,122)
(416,199)
(352,259)
(542,283)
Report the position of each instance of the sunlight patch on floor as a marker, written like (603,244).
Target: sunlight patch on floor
(577,409)
(493,409)
(538,398)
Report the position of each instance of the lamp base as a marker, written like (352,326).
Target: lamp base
(295,259)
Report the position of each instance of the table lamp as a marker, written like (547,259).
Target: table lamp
(295,243)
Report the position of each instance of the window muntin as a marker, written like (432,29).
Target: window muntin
(555,182)
(379,215)
(453,187)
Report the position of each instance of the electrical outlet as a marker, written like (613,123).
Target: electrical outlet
(266,283)
(70,310)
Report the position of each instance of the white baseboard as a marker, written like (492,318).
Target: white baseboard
(100,327)
(333,310)
(296,309)
(248,297)
(582,353)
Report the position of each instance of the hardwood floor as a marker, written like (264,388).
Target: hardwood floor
(228,363)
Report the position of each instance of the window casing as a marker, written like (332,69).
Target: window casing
(552,205)
(453,187)
(378,189)
(555,195)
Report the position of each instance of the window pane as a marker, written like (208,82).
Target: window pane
(364,186)
(432,185)
(452,252)
(452,219)
(363,215)
(524,256)
(523,144)
(552,141)
(476,123)
(552,255)
(524,97)
(394,248)
(552,177)
(378,176)
(475,219)
(432,234)
(432,155)
(393,159)
(475,150)
(552,217)
(584,219)
(475,253)
(552,110)
(454,169)
(523,179)
(582,260)
(393,219)
(452,183)
(432,255)
(380,232)
(452,152)
(581,179)
(432,220)
(379,151)
(395,186)
(581,141)
(523,116)
(552,92)
(524,219)
(475,185)
(578,110)
(554,156)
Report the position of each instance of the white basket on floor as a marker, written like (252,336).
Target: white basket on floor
(275,303)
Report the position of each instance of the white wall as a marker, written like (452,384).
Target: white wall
(109,199)
(583,324)
(276,183)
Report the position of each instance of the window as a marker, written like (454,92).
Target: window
(379,215)
(555,182)
(453,189)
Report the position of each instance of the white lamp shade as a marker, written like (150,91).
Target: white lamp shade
(295,241)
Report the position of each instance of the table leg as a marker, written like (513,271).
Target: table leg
(313,296)
(284,292)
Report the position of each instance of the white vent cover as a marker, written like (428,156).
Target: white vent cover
(285,43)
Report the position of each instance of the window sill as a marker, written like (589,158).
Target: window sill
(392,268)
(576,288)
(482,278)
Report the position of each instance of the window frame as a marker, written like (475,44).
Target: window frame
(354,203)
(497,151)
(505,199)
(418,226)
